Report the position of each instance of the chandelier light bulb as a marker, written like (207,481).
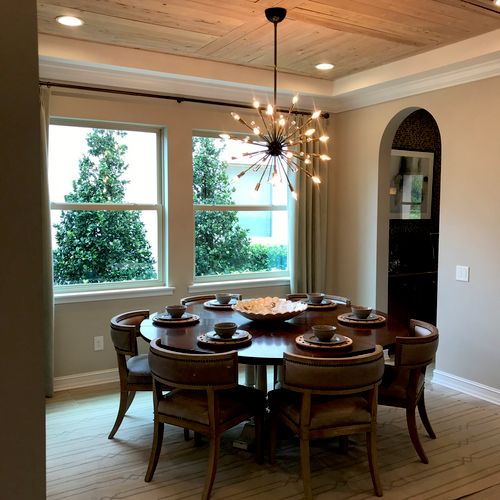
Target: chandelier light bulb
(281,142)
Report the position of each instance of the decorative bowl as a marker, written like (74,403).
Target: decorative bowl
(315,298)
(225,330)
(176,310)
(361,312)
(323,333)
(269,309)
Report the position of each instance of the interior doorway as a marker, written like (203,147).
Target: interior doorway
(414,228)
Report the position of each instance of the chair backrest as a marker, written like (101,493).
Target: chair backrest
(124,329)
(419,349)
(336,298)
(193,371)
(202,298)
(333,375)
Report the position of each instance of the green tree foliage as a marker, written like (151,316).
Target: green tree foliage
(101,246)
(222,245)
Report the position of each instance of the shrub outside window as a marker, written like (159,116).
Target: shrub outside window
(105,188)
(239,232)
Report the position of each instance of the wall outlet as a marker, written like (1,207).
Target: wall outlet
(462,273)
(99,343)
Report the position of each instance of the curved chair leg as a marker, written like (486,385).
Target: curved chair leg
(122,409)
(422,411)
(131,396)
(155,450)
(305,463)
(273,437)
(371,448)
(412,429)
(213,455)
(186,435)
(259,424)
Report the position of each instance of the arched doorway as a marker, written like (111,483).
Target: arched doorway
(409,236)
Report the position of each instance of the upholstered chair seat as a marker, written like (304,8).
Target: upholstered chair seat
(204,397)
(328,397)
(403,384)
(133,368)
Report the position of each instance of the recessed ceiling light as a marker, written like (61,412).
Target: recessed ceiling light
(69,20)
(324,66)
(497,3)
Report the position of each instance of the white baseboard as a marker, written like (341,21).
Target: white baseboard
(85,379)
(470,387)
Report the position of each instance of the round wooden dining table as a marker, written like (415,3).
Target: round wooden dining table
(271,339)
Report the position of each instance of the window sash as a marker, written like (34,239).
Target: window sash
(159,207)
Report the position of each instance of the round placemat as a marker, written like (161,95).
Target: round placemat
(204,339)
(213,304)
(329,304)
(302,342)
(348,320)
(191,320)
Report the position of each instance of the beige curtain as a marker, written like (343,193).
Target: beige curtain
(48,297)
(308,221)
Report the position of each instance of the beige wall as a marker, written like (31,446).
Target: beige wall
(467,117)
(22,429)
(77,323)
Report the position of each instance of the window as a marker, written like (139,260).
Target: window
(238,230)
(105,189)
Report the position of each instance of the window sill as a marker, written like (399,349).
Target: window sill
(238,284)
(96,296)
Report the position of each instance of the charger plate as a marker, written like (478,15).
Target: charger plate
(213,304)
(325,304)
(164,319)
(373,319)
(235,342)
(302,341)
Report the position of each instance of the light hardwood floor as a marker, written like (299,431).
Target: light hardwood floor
(82,464)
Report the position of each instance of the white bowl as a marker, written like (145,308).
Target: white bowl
(269,309)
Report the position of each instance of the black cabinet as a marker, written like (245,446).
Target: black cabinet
(413,295)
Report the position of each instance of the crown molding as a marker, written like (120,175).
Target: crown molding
(88,63)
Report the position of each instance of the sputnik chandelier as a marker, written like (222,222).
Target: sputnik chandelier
(279,139)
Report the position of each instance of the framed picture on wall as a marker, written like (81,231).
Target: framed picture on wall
(410,190)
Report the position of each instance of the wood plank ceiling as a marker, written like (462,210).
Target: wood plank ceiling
(352,34)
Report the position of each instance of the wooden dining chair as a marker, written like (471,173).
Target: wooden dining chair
(133,368)
(403,383)
(336,298)
(203,298)
(205,397)
(328,397)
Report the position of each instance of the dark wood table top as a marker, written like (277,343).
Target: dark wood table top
(271,340)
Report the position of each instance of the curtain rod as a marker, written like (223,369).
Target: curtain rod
(162,96)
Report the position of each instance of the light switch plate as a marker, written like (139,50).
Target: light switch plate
(99,343)
(462,273)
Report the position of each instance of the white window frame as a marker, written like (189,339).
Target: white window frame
(278,277)
(117,289)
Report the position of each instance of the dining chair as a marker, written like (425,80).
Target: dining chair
(205,397)
(328,397)
(133,368)
(202,298)
(403,383)
(336,298)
